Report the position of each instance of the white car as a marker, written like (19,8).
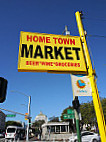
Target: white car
(86,136)
(14,133)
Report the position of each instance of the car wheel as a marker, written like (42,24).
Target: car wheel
(94,140)
(76,141)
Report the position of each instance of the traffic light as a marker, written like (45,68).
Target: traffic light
(3,89)
(29,123)
(26,116)
(76,103)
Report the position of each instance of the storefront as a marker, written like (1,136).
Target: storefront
(54,128)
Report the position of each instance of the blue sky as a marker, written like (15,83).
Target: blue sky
(50,93)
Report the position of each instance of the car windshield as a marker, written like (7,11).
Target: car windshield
(86,133)
(10,130)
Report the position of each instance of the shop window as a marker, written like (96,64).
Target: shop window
(63,129)
(52,129)
(57,129)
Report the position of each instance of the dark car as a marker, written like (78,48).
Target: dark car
(2,134)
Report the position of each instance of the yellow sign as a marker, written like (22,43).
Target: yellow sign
(50,53)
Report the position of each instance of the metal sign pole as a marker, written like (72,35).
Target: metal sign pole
(27,137)
(91,74)
(77,122)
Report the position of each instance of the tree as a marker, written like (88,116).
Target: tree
(13,123)
(103,102)
(71,125)
(37,125)
(54,119)
(87,112)
(65,112)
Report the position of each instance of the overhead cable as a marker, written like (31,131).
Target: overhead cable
(97,36)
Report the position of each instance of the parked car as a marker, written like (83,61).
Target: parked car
(86,136)
(14,133)
(2,135)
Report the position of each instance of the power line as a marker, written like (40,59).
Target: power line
(102,36)
(90,53)
(95,19)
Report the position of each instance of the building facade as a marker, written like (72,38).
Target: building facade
(41,116)
(55,130)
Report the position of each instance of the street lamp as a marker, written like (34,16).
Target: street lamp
(29,103)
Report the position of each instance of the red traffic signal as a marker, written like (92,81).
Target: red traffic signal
(3,89)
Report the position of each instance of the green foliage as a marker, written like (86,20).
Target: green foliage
(103,102)
(54,119)
(65,112)
(87,112)
(71,125)
(13,123)
(38,124)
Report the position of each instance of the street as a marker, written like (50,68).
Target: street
(32,139)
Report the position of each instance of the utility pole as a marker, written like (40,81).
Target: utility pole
(27,137)
(76,111)
(28,117)
(91,75)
